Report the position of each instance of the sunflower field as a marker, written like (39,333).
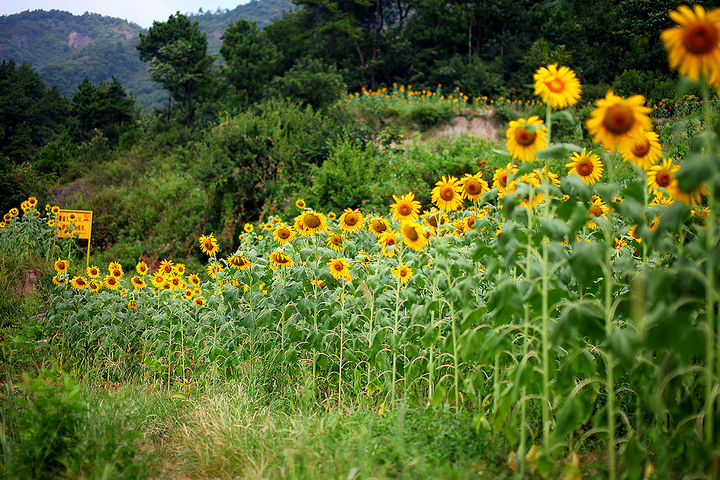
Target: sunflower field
(570,312)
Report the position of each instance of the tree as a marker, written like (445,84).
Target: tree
(84,104)
(250,58)
(177,52)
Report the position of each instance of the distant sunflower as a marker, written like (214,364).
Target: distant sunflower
(447,194)
(616,118)
(597,210)
(694,46)
(92,271)
(351,220)
(55,210)
(95,285)
(248,228)
(588,167)
(546,176)
(643,150)
(402,272)
(279,259)
(300,203)
(142,268)
(559,87)
(111,282)
(434,218)
(663,176)
(179,269)
(378,225)
(405,208)
(132,304)
(213,269)
(116,270)
(209,244)
(473,186)
(413,235)
(388,242)
(57,280)
(199,301)
(335,241)
(194,280)
(331,216)
(32,201)
(500,178)
(158,279)
(283,234)
(61,266)
(525,137)
(310,222)
(238,261)
(339,268)
(138,282)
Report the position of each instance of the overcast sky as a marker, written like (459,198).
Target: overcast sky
(142,12)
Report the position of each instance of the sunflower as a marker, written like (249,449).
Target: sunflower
(363,258)
(310,222)
(111,282)
(588,167)
(300,203)
(158,279)
(433,218)
(248,228)
(402,272)
(283,234)
(527,183)
(176,282)
(279,259)
(209,244)
(405,208)
(500,178)
(331,216)
(188,294)
(339,267)
(214,268)
(179,269)
(335,241)
(616,118)
(239,262)
(447,194)
(388,241)
(92,271)
(55,210)
(351,220)
(32,201)
(142,268)
(694,46)
(643,150)
(132,304)
(378,225)
(61,266)
(199,301)
(525,137)
(59,280)
(413,235)
(116,270)
(661,199)
(663,176)
(94,286)
(473,186)
(194,280)
(14,212)
(558,87)
(545,176)
(138,282)
(597,210)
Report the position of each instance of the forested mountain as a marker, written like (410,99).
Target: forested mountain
(65,48)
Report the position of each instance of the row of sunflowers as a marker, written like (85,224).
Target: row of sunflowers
(562,308)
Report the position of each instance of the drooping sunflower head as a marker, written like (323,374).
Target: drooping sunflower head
(447,194)
(378,225)
(694,45)
(283,234)
(616,118)
(388,241)
(525,137)
(310,222)
(238,261)
(351,220)
(213,269)
(138,282)
(588,167)
(405,208)
(559,87)
(208,244)
(279,259)
(413,235)
(643,150)
(473,186)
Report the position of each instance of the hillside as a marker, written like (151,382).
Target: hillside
(65,48)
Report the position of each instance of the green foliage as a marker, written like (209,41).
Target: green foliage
(310,82)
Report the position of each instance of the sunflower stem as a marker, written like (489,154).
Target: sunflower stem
(548,124)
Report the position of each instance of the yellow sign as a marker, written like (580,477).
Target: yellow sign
(82,220)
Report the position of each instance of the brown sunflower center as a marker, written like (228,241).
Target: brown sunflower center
(584,168)
(432,220)
(663,178)
(524,137)
(619,119)
(378,226)
(473,187)
(595,211)
(390,242)
(338,266)
(502,181)
(471,221)
(351,219)
(336,240)
(283,233)
(403,272)
(405,209)
(312,220)
(700,39)
(555,85)
(447,193)
(410,233)
(116,273)
(641,149)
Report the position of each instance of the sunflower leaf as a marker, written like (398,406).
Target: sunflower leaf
(558,151)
